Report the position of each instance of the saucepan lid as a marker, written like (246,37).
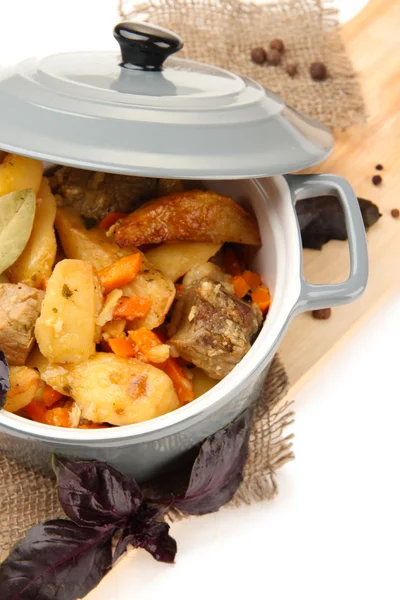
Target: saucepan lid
(140,111)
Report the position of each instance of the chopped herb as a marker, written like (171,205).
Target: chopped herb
(89,222)
(66,291)
(55,310)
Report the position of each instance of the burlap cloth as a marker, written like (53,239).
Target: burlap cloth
(28,498)
(223,32)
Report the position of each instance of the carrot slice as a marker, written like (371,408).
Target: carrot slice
(240,286)
(36,410)
(132,308)
(252,279)
(111,218)
(51,396)
(231,262)
(121,272)
(262,298)
(58,417)
(143,339)
(182,384)
(122,347)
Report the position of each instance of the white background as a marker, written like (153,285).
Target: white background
(334,530)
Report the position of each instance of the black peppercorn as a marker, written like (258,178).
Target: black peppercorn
(274,57)
(277,44)
(258,55)
(322,314)
(379,167)
(395,212)
(377,180)
(318,71)
(291,70)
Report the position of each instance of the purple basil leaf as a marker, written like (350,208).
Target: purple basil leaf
(4,379)
(94,494)
(56,561)
(321,219)
(217,470)
(144,531)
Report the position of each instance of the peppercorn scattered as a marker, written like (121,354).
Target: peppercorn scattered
(318,71)
(277,44)
(273,57)
(395,212)
(377,180)
(258,55)
(321,314)
(291,70)
(379,167)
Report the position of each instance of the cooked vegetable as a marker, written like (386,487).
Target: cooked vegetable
(37,259)
(121,272)
(66,329)
(19,173)
(196,215)
(114,329)
(144,344)
(240,286)
(252,279)
(111,389)
(262,298)
(110,219)
(17,213)
(132,308)
(24,384)
(95,247)
(207,270)
(19,309)
(36,410)
(202,383)
(107,312)
(51,396)
(122,347)
(4,278)
(174,260)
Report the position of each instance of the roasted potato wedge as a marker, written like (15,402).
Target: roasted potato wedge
(174,260)
(66,329)
(24,383)
(19,173)
(202,383)
(111,389)
(195,215)
(95,247)
(37,260)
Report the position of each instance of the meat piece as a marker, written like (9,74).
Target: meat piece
(19,309)
(213,329)
(95,194)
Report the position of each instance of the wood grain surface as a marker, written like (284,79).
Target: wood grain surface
(372,40)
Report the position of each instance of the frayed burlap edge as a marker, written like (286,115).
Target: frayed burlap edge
(28,498)
(223,32)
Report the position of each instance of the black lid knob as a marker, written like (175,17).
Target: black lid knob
(145,46)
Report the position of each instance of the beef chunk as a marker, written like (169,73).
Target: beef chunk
(213,329)
(19,309)
(95,194)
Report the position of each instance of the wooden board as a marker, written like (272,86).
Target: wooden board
(372,41)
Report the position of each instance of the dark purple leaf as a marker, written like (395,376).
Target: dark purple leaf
(321,219)
(146,532)
(94,494)
(56,561)
(217,470)
(4,379)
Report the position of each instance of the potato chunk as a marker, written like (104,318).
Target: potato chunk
(19,173)
(37,260)
(66,329)
(111,389)
(174,260)
(24,383)
(95,247)
(195,215)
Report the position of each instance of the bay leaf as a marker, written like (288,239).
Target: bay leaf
(17,212)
